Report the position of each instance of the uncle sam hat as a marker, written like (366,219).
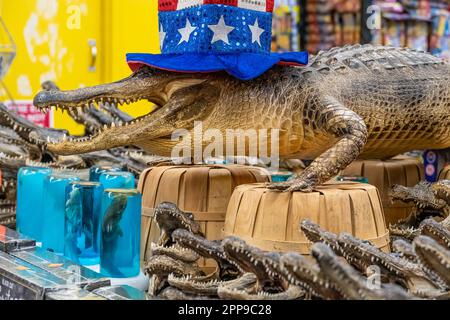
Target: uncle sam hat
(216,35)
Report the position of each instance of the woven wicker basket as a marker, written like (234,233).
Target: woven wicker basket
(383,175)
(202,190)
(270,219)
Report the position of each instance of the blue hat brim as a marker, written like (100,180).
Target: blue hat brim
(244,66)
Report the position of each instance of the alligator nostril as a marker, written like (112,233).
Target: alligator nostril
(41,99)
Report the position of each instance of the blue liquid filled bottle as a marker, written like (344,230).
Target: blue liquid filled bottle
(281,176)
(120,233)
(96,171)
(54,211)
(30,205)
(117,180)
(82,222)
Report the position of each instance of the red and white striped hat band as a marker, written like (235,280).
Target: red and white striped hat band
(257,5)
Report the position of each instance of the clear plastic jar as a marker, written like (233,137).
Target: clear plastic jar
(120,233)
(96,171)
(281,176)
(82,222)
(54,210)
(30,204)
(117,180)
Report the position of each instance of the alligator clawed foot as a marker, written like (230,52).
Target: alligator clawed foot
(292,186)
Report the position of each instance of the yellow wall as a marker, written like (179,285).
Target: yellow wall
(133,27)
(52,44)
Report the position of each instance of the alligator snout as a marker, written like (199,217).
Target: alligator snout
(42,99)
(63,99)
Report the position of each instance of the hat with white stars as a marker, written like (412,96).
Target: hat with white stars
(216,35)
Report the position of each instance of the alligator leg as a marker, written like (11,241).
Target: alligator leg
(350,131)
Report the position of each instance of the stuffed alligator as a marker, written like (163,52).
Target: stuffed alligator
(358,101)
